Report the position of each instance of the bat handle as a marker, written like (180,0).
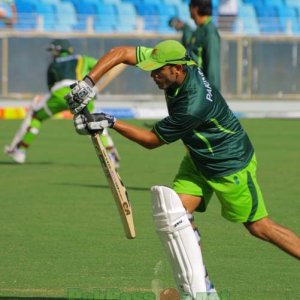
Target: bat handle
(90,118)
(87,114)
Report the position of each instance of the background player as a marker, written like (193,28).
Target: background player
(203,42)
(65,68)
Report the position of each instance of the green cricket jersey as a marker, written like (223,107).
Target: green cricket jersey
(69,67)
(204,46)
(201,118)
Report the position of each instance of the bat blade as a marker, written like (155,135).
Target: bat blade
(117,187)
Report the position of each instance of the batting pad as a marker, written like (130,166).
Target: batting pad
(178,238)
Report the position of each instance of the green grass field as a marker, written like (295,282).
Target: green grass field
(59,228)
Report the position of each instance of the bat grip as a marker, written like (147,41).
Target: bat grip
(87,114)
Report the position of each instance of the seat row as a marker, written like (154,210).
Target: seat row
(98,15)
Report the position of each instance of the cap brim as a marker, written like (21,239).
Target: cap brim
(150,65)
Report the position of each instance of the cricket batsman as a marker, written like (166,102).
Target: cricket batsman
(220,158)
(63,71)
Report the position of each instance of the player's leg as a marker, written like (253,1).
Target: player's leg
(177,236)
(276,234)
(27,131)
(242,201)
(49,105)
(110,147)
(195,194)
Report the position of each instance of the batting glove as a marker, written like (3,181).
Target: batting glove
(79,97)
(100,121)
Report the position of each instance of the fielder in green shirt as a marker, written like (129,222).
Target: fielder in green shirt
(220,158)
(63,71)
(203,42)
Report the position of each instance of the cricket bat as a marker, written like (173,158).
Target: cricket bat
(115,182)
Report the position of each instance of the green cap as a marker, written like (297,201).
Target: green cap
(61,45)
(164,53)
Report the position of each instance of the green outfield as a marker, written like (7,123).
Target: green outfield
(60,230)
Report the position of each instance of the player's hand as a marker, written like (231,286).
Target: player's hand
(100,121)
(79,97)
(176,23)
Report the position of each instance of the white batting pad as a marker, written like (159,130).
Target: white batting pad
(177,236)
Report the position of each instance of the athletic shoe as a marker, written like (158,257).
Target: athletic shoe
(115,159)
(17,155)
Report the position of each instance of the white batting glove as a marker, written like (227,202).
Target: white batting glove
(79,97)
(101,121)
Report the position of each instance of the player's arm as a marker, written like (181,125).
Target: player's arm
(213,60)
(117,55)
(144,137)
(82,91)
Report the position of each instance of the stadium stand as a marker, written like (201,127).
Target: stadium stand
(128,16)
(246,21)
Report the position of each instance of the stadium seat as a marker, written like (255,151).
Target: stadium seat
(149,12)
(115,2)
(294,3)
(174,2)
(134,2)
(26,16)
(268,19)
(106,18)
(127,17)
(84,11)
(66,17)
(288,19)
(252,2)
(48,14)
(246,21)
(165,12)
(53,2)
(276,3)
(153,2)
(183,12)
(74,2)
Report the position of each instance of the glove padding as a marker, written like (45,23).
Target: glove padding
(100,121)
(79,97)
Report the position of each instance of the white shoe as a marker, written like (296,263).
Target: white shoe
(115,159)
(17,155)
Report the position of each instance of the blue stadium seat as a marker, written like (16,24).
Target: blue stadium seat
(84,11)
(294,3)
(252,2)
(134,2)
(165,12)
(26,16)
(173,2)
(183,12)
(106,18)
(149,12)
(288,19)
(66,17)
(48,13)
(153,2)
(246,21)
(115,2)
(268,19)
(276,3)
(53,2)
(127,17)
(74,2)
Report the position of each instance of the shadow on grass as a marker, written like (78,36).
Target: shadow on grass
(25,164)
(30,298)
(102,186)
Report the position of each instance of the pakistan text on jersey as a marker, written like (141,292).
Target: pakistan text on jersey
(207,86)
